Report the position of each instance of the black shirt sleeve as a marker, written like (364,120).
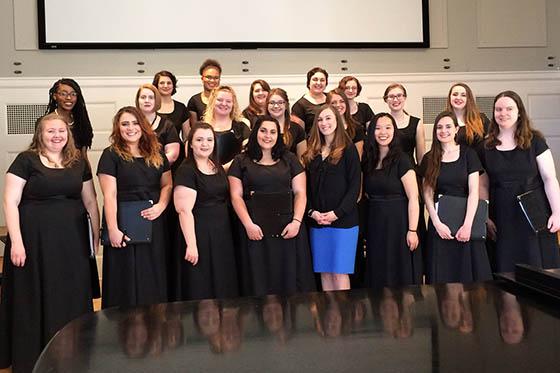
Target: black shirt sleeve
(186,176)
(295,166)
(21,166)
(473,162)
(352,165)
(108,163)
(539,144)
(86,173)
(235,168)
(298,110)
(404,165)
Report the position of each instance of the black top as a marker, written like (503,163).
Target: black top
(252,118)
(259,178)
(477,140)
(44,182)
(229,143)
(211,190)
(408,137)
(196,105)
(135,179)
(360,135)
(363,115)
(335,187)
(81,141)
(298,135)
(453,179)
(166,132)
(387,182)
(178,116)
(306,110)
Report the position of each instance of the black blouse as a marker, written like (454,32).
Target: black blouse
(196,105)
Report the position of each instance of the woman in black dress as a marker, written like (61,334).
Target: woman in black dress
(360,111)
(134,168)
(274,244)
(303,111)
(66,99)
(333,167)
(278,107)
(46,284)
(258,94)
(338,99)
(148,101)
(391,191)
(473,125)
(452,169)
(222,113)
(173,110)
(201,198)
(210,74)
(517,160)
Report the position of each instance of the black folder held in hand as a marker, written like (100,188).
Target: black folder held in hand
(271,211)
(536,209)
(451,211)
(130,222)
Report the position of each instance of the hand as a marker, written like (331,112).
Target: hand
(412,240)
(317,216)
(443,231)
(291,230)
(18,255)
(153,212)
(492,230)
(254,232)
(118,238)
(329,217)
(464,233)
(191,254)
(554,223)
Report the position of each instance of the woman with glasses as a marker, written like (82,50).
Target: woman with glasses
(278,107)
(360,111)
(210,74)
(257,101)
(66,100)
(303,111)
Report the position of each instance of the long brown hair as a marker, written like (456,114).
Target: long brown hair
(253,107)
(348,120)
(287,135)
(473,120)
(69,152)
(148,146)
(433,157)
(524,130)
(317,140)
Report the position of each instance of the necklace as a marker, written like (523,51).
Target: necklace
(70,123)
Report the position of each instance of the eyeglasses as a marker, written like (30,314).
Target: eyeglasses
(395,97)
(64,94)
(211,77)
(276,103)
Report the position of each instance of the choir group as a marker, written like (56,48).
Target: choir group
(269,200)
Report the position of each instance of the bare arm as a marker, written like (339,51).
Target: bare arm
(464,232)
(254,232)
(108,185)
(545,163)
(172,151)
(301,147)
(484,193)
(420,141)
(300,201)
(89,198)
(411,189)
(185,128)
(443,230)
(185,199)
(13,191)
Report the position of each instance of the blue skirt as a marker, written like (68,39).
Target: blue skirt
(334,249)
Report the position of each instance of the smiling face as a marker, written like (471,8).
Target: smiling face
(395,99)
(65,97)
(326,122)
(506,113)
(317,83)
(210,78)
(146,101)
(276,106)
(446,130)
(54,135)
(338,102)
(458,98)
(259,95)
(351,89)
(129,129)
(384,131)
(267,135)
(165,86)
(202,143)
(224,103)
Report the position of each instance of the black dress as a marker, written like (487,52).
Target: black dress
(511,173)
(196,105)
(477,141)
(389,259)
(229,143)
(178,116)
(273,265)
(306,110)
(215,275)
(297,134)
(250,116)
(53,287)
(407,137)
(364,115)
(135,274)
(451,260)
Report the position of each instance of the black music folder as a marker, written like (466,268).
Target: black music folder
(131,223)
(536,209)
(451,211)
(271,211)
